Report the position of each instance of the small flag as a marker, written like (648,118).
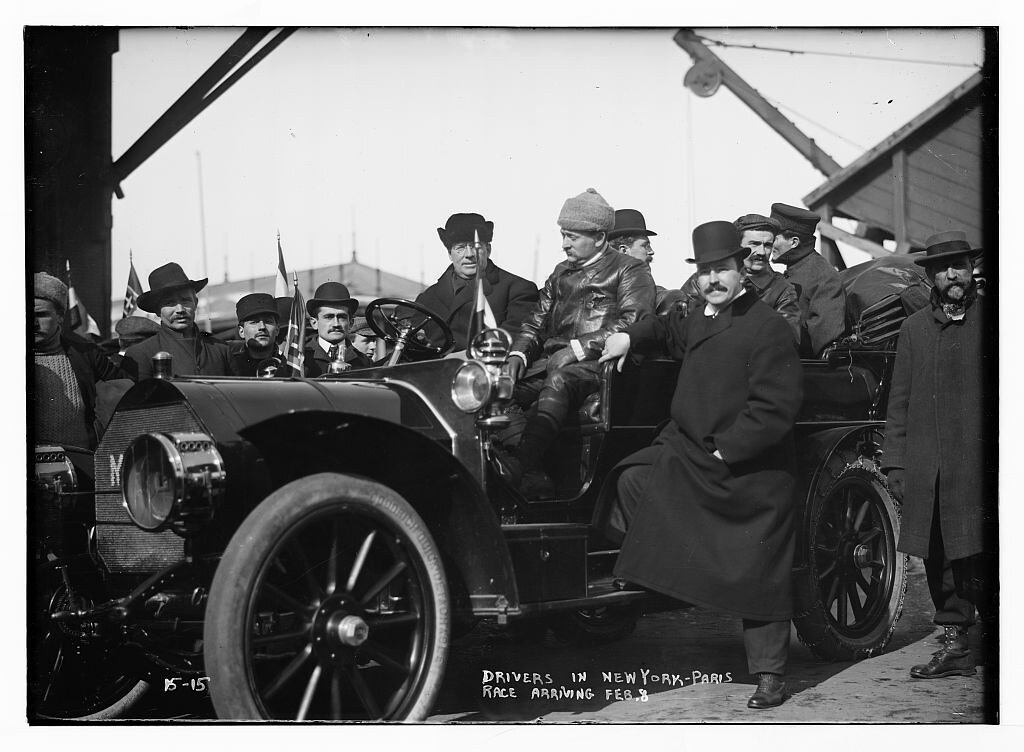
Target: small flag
(296,337)
(132,290)
(79,320)
(281,281)
(482,317)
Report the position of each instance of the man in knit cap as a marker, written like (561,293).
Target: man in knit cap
(66,371)
(592,294)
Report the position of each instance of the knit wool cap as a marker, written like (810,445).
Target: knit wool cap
(52,289)
(587,211)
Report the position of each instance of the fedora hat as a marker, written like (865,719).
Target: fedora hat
(714,241)
(460,228)
(165,279)
(333,294)
(944,245)
(629,222)
(254,304)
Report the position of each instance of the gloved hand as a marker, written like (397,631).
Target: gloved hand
(516,367)
(895,480)
(561,358)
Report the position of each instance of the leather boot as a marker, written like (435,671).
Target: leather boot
(770,692)
(952,659)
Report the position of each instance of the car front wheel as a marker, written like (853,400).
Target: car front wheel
(330,603)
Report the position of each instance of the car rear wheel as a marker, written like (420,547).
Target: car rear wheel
(330,603)
(850,595)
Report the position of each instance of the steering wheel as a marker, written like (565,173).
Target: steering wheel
(403,329)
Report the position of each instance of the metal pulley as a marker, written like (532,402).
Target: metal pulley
(703,79)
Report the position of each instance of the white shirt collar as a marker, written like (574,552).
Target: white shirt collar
(325,345)
(712,312)
(595,257)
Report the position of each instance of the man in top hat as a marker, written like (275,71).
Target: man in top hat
(174,297)
(67,368)
(821,296)
(706,514)
(592,294)
(510,297)
(258,326)
(631,236)
(940,450)
(757,235)
(330,312)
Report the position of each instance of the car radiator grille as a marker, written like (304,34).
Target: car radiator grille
(122,546)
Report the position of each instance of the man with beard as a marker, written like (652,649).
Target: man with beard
(631,236)
(706,513)
(67,368)
(821,297)
(258,327)
(940,457)
(173,296)
(554,359)
(758,236)
(330,312)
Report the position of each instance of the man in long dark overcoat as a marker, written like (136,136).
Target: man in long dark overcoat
(510,297)
(707,510)
(937,455)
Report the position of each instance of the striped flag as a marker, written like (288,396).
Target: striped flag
(79,320)
(132,290)
(482,317)
(281,281)
(296,337)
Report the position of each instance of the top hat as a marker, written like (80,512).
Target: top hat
(251,305)
(164,279)
(795,219)
(629,222)
(714,241)
(464,228)
(757,222)
(944,245)
(136,326)
(334,295)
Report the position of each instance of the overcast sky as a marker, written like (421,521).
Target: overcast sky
(389,131)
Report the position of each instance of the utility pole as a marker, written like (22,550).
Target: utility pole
(202,231)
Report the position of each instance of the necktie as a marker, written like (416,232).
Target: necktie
(333,353)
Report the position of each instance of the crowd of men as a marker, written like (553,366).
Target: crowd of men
(706,513)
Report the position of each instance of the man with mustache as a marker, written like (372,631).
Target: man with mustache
(758,236)
(631,236)
(939,452)
(330,313)
(821,296)
(554,358)
(173,296)
(258,328)
(706,513)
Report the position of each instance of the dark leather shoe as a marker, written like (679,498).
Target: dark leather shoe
(771,691)
(952,659)
(537,485)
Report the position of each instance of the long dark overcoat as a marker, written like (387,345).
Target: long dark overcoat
(935,426)
(712,532)
(511,298)
(821,298)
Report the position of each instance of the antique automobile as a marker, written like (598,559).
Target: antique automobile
(307,548)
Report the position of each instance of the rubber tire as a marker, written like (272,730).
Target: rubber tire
(814,626)
(276,516)
(582,628)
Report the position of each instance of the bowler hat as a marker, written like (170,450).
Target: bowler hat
(944,245)
(757,222)
(165,279)
(255,303)
(795,219)
(464,228)
(136,326)
(714,241)
(333,294)
(629,222)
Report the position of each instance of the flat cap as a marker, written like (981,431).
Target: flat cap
(756,222)
(136,326)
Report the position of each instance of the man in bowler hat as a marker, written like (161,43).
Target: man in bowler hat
(510,297)
(706,513)
(939,451)
(631,236)
(330,312)
(821,296)
(174,297)
(258,326)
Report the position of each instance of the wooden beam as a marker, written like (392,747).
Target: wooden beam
(900,199)
(828,230)
(747,94)
(829,249)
